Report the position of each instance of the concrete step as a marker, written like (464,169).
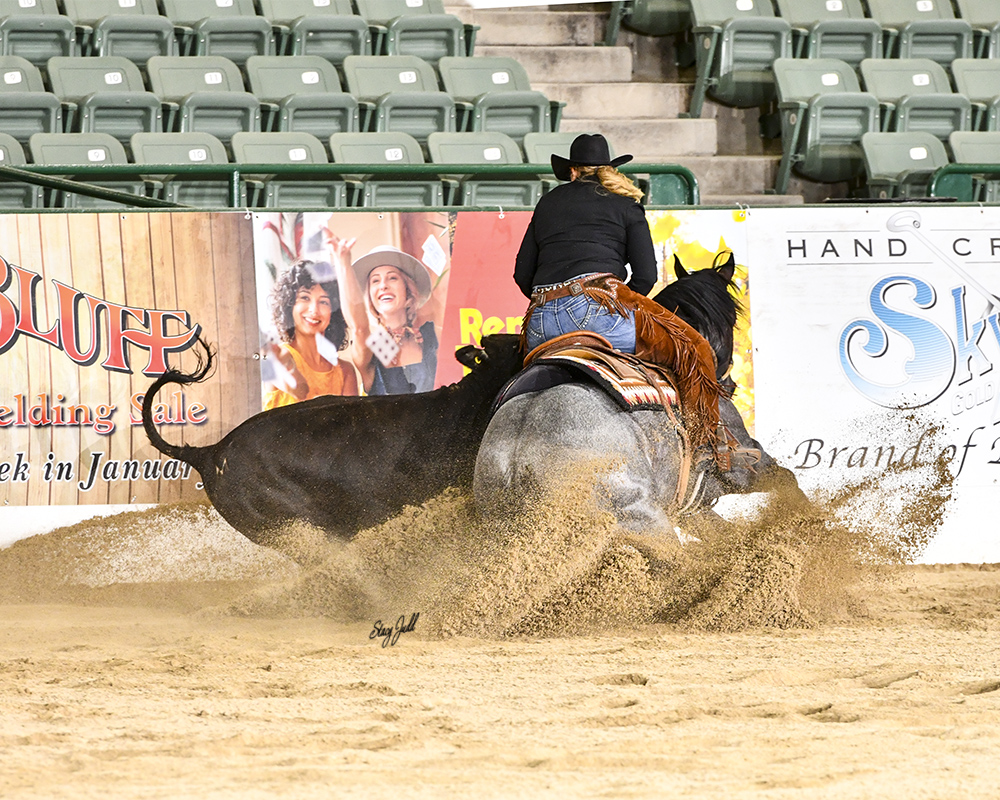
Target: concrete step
(528,26)
(615,100)
(633,94)
(568,64)
(732,175)
(651,140)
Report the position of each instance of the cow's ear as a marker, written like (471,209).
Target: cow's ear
(470,355)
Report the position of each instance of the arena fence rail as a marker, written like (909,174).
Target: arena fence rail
(962,181)
(666,184)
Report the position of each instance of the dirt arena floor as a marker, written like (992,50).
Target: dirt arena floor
(163,656)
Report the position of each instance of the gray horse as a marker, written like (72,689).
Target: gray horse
(547,441)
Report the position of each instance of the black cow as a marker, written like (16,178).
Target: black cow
(345,463)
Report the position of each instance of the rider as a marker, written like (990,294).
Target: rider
(572,267)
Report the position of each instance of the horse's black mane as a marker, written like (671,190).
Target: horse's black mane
(705,300)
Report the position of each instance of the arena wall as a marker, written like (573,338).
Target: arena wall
(866,354)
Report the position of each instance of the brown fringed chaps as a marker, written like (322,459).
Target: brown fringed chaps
(665,339)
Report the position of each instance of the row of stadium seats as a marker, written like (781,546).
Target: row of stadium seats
(825,114)
(842,23)
(286,93)
(736,41)
(236,29)
(903,164)
(290,189)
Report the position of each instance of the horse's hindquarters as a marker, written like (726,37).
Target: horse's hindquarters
(573,443)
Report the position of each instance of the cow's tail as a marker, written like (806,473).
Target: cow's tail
(191,455)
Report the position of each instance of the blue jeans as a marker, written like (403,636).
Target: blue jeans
(580,313)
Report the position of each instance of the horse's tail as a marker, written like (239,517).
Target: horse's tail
(195,456)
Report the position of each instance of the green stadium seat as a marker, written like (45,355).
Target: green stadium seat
(922,29)
(736,42)
(227,28)
(394,148)
(399,93)
(539,147)
(288,191)
(81,149)
(979,80)
(984,17)
(36,31)
(132,29)
(186,148)
(415,28)
(13,194)
(135,38)
(824,114)
(979,147)
(832,29)
(326,28)
(203,93)
(483,190)
(25,106)
(900,164)
(104,94)
(301,93)
(648,17)
(494,94)
(916,95)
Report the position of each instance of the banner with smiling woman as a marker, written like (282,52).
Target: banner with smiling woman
(350,303)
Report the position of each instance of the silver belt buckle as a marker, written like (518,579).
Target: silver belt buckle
(576,288)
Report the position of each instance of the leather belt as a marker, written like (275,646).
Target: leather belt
(574,287)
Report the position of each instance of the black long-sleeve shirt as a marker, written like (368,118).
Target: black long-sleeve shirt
(580,227)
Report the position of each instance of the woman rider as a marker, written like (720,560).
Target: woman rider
(572,267)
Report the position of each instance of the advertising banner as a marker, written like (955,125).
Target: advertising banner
(92,308)
(875,344)
(874,334)
(382,275)
(484,298)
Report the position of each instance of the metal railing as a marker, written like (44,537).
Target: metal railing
(668,184)
(958,180)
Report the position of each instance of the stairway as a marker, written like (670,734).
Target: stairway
(632,93)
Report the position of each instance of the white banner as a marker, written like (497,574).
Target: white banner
(875,337)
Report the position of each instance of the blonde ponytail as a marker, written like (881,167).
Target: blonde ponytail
(612,180)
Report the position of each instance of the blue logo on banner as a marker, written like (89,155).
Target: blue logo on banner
(928,362)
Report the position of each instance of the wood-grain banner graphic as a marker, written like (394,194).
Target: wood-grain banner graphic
(92,308)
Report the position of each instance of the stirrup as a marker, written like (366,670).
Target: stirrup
(729,453)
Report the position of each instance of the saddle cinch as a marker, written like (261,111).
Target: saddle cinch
(634,385)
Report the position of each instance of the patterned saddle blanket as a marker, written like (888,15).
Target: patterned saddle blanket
(633,384)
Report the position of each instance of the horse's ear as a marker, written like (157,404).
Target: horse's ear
(679,270)
(728,269)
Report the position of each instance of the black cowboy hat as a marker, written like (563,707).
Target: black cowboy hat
(587,150)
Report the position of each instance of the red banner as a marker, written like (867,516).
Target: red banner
(482,297)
